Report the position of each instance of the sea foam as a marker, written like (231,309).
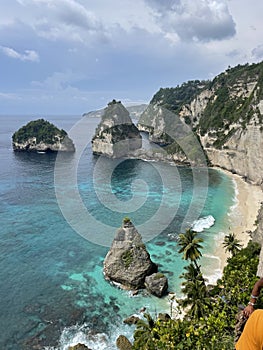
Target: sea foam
(203,223)
(82,334)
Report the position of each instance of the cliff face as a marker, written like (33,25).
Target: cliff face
(160,123)
(226,115)
(116,135)
(167,129)
(242,154)
(31,145)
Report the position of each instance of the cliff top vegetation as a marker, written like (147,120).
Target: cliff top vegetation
(40,129)
(174,98)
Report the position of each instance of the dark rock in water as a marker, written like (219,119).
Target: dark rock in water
(116,135)
(128,262)
(160,243)
(156,284)
(79,347)
(123,343)
(131,320)
(41,136)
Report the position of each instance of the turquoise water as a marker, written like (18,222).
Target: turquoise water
(52,288)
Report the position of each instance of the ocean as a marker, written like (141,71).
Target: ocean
(58,216)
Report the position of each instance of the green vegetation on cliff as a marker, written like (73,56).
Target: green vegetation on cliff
(174,98)
(40,129)
(236,92)
(216,108)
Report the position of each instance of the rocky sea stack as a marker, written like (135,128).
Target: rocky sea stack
(128,261)
(116,135)
(41,136)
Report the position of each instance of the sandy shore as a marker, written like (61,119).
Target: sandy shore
(243,214)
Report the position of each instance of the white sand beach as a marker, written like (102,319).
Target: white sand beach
(243,215)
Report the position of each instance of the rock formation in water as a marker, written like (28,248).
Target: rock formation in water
(156,284)
(41,136)
(128,261)
(176,138)
(123,343)
(79,346)
(116,135)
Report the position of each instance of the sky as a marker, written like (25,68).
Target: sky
(74,56)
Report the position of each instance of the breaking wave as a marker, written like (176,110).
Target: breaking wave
(84,335)
(203,223)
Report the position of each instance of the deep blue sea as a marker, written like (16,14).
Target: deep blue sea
(58,216)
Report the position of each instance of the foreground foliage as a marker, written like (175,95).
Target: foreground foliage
(213,328)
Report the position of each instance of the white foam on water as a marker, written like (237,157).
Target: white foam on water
(215,268)
(235,200)
(82,334)
(203,223)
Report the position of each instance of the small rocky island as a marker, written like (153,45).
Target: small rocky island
(129,264)
(41,136)
(116,135)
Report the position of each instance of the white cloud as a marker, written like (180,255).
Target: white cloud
(64,19)
(103,49)
(57,81)
(9,96)
(203,20)
(28,55)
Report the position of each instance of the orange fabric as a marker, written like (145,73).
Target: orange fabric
(252,336)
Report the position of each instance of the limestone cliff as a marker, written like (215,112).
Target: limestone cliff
(226,115)
(178,142)
(116,135)
(41,136)
(242,153)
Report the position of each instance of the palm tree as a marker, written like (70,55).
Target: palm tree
(143,335)
(232,244)
(190,245)
(192,273)
(196,298)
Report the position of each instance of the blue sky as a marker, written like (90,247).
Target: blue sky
(73,56)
